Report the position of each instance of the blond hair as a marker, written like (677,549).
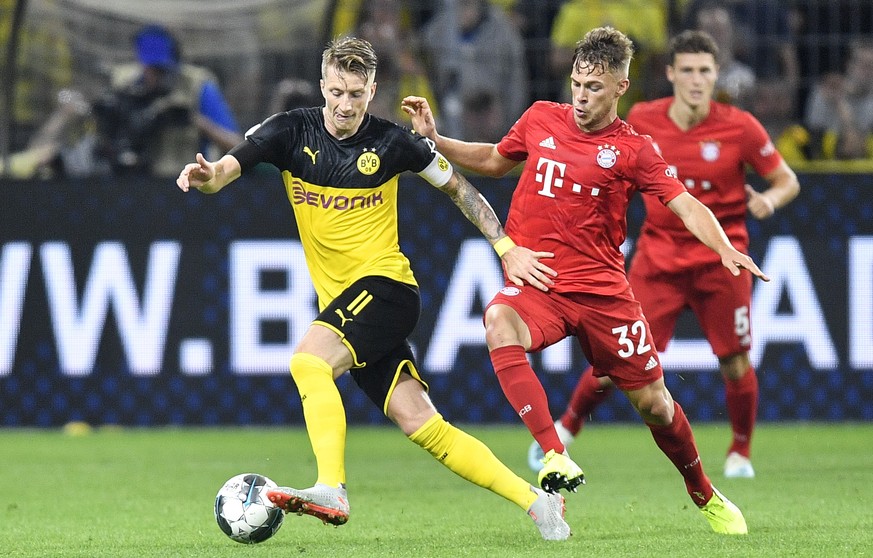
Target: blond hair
(352,55)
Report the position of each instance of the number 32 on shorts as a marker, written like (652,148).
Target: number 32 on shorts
(638,328)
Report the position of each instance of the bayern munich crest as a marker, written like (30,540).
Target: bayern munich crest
(710,150)
(607,155)
(510,291)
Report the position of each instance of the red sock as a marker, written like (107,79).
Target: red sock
(587,395)
(741,397)
(525,393)
(676,440)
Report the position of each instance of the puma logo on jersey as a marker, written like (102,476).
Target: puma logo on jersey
(310,153)
(362,300)
(343,318)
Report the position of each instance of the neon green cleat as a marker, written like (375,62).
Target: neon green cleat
(559,471)
(724,517)
(535,452)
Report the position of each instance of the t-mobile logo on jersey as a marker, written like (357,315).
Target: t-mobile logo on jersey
(551,175)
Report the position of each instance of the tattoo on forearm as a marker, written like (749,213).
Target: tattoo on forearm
(475,207)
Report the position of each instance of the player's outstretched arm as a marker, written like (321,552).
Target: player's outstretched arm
(209,177)
(482,158)
(702,223)
(521,264)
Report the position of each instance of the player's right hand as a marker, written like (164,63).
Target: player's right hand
(421,115)
(523,265)
(195,175)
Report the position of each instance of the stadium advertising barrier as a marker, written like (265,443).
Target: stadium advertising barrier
(126,301)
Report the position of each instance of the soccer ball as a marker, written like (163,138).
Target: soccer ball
(244,512)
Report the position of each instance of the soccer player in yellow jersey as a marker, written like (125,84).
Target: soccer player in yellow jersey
(340,167)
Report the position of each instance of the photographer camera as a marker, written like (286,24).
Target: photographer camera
(129,124)
(159,109)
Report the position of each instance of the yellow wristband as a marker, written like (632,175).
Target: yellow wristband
(503,245)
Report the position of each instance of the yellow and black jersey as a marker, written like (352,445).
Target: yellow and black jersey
(344,192)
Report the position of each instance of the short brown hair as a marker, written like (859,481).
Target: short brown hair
(350,54)
(692,42)
(605,49)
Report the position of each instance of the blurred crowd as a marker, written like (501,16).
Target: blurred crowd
(804,69)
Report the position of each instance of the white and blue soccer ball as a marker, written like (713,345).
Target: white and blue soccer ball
(243,511)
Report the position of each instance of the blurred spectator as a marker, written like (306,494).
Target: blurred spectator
(483,116)
(826,27)
(43,67)
(768,30)
(291,93)
(736,80)
(839,112)
(64,142)
(156,111)
(348,15)
(534,20)
(160,109)
(644,21)
(772,104)
(475,53)
(384,24)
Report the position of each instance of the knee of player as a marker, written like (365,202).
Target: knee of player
(410,407)
(735,366)
(410,420)
(663,408)
(655,404)
(503,327)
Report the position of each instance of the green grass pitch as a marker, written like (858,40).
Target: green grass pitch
(149,492)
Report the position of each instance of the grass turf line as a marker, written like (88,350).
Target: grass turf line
(148,492)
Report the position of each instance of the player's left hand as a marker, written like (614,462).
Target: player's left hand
(736,262)
(759,205)
(523,265)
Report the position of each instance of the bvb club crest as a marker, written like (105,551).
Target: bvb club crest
(368,162)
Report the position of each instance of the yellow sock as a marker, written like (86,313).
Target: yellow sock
(324,414)
(471,459)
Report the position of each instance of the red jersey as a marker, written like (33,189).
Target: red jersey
(710,159)
(573,193)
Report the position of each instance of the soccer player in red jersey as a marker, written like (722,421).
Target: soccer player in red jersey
(582,165)
(709,144)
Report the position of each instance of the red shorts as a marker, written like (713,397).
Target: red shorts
(611,330)
(720,301)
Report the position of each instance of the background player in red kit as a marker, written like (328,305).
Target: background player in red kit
(582,165)
(709,144)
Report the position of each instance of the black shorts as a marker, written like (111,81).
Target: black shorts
(374,317)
